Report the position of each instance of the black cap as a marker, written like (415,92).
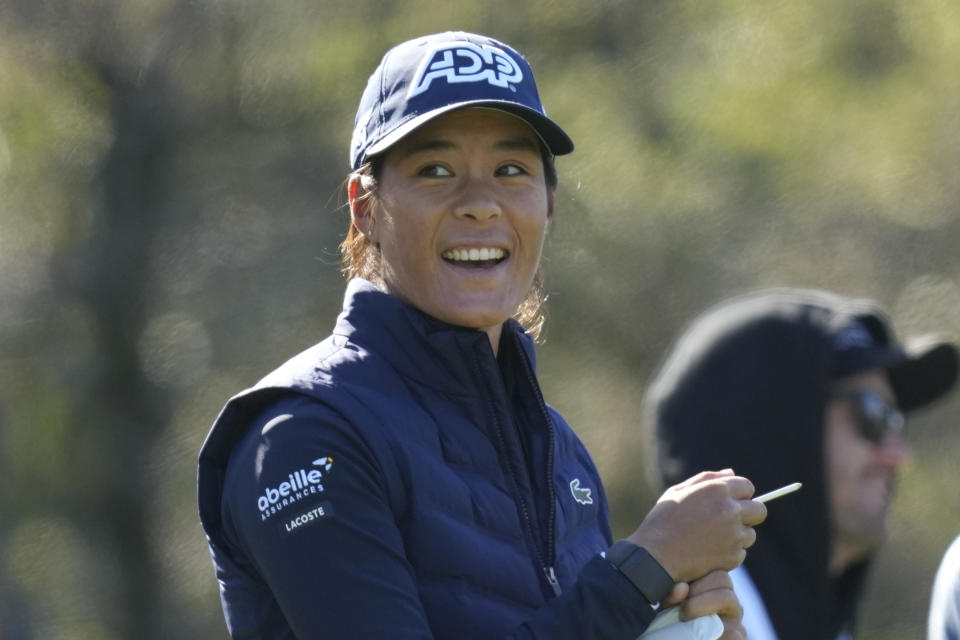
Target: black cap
(921,370)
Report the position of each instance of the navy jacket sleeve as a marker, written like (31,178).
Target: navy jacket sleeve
(309,516)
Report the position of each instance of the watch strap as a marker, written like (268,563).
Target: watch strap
(641,569)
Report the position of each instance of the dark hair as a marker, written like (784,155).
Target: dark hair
(359,258)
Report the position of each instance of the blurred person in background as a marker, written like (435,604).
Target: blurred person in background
(404,478)
(943,621)
(806,386)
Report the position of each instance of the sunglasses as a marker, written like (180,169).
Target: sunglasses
(875,418)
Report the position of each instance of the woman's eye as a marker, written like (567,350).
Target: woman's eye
(435,171)
(511,170)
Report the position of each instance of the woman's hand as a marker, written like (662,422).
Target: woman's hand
(702,524)
(714,593)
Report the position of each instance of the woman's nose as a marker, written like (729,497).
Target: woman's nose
(477,202)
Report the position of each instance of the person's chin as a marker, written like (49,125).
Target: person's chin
(475,310)
(473,317)
(865,542)
(873,530)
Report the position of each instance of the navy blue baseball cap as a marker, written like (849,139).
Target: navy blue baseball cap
(429,76)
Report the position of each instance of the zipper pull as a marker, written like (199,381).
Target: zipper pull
(552,579)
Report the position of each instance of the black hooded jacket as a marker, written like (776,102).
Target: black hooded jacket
(745,388)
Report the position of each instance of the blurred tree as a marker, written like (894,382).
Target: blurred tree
(170,216)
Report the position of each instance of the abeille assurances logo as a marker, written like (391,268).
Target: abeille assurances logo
(299,484)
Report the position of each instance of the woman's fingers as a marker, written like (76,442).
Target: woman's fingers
(752,512)
(712,594)
(711,581)
(733,630)
(676,596)
(704,476)
(701,524)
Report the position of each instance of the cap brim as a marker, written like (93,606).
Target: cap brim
(555,138)
(928,372)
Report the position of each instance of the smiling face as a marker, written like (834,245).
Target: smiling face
(460,216)
(860,473)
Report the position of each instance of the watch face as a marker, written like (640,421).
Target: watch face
(642,569)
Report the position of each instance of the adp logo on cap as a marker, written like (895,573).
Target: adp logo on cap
(466,62)
(426,77)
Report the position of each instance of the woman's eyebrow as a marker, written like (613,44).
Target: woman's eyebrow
(521,143)
(435,144)
(518,144)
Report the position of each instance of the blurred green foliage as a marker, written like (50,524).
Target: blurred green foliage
(170,214)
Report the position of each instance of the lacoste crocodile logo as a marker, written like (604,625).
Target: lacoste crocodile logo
(580,495)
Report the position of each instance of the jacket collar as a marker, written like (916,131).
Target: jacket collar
(427,350)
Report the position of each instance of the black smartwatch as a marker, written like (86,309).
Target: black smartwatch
(641,569)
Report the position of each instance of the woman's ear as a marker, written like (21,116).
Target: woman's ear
(551,193)
(361,205)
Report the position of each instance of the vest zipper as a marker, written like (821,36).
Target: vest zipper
(551,551)
(528,521)
(552,579)
(544,556)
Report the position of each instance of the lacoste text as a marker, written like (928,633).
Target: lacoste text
(304,518)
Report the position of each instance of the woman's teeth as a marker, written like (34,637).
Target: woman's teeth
(473,255)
